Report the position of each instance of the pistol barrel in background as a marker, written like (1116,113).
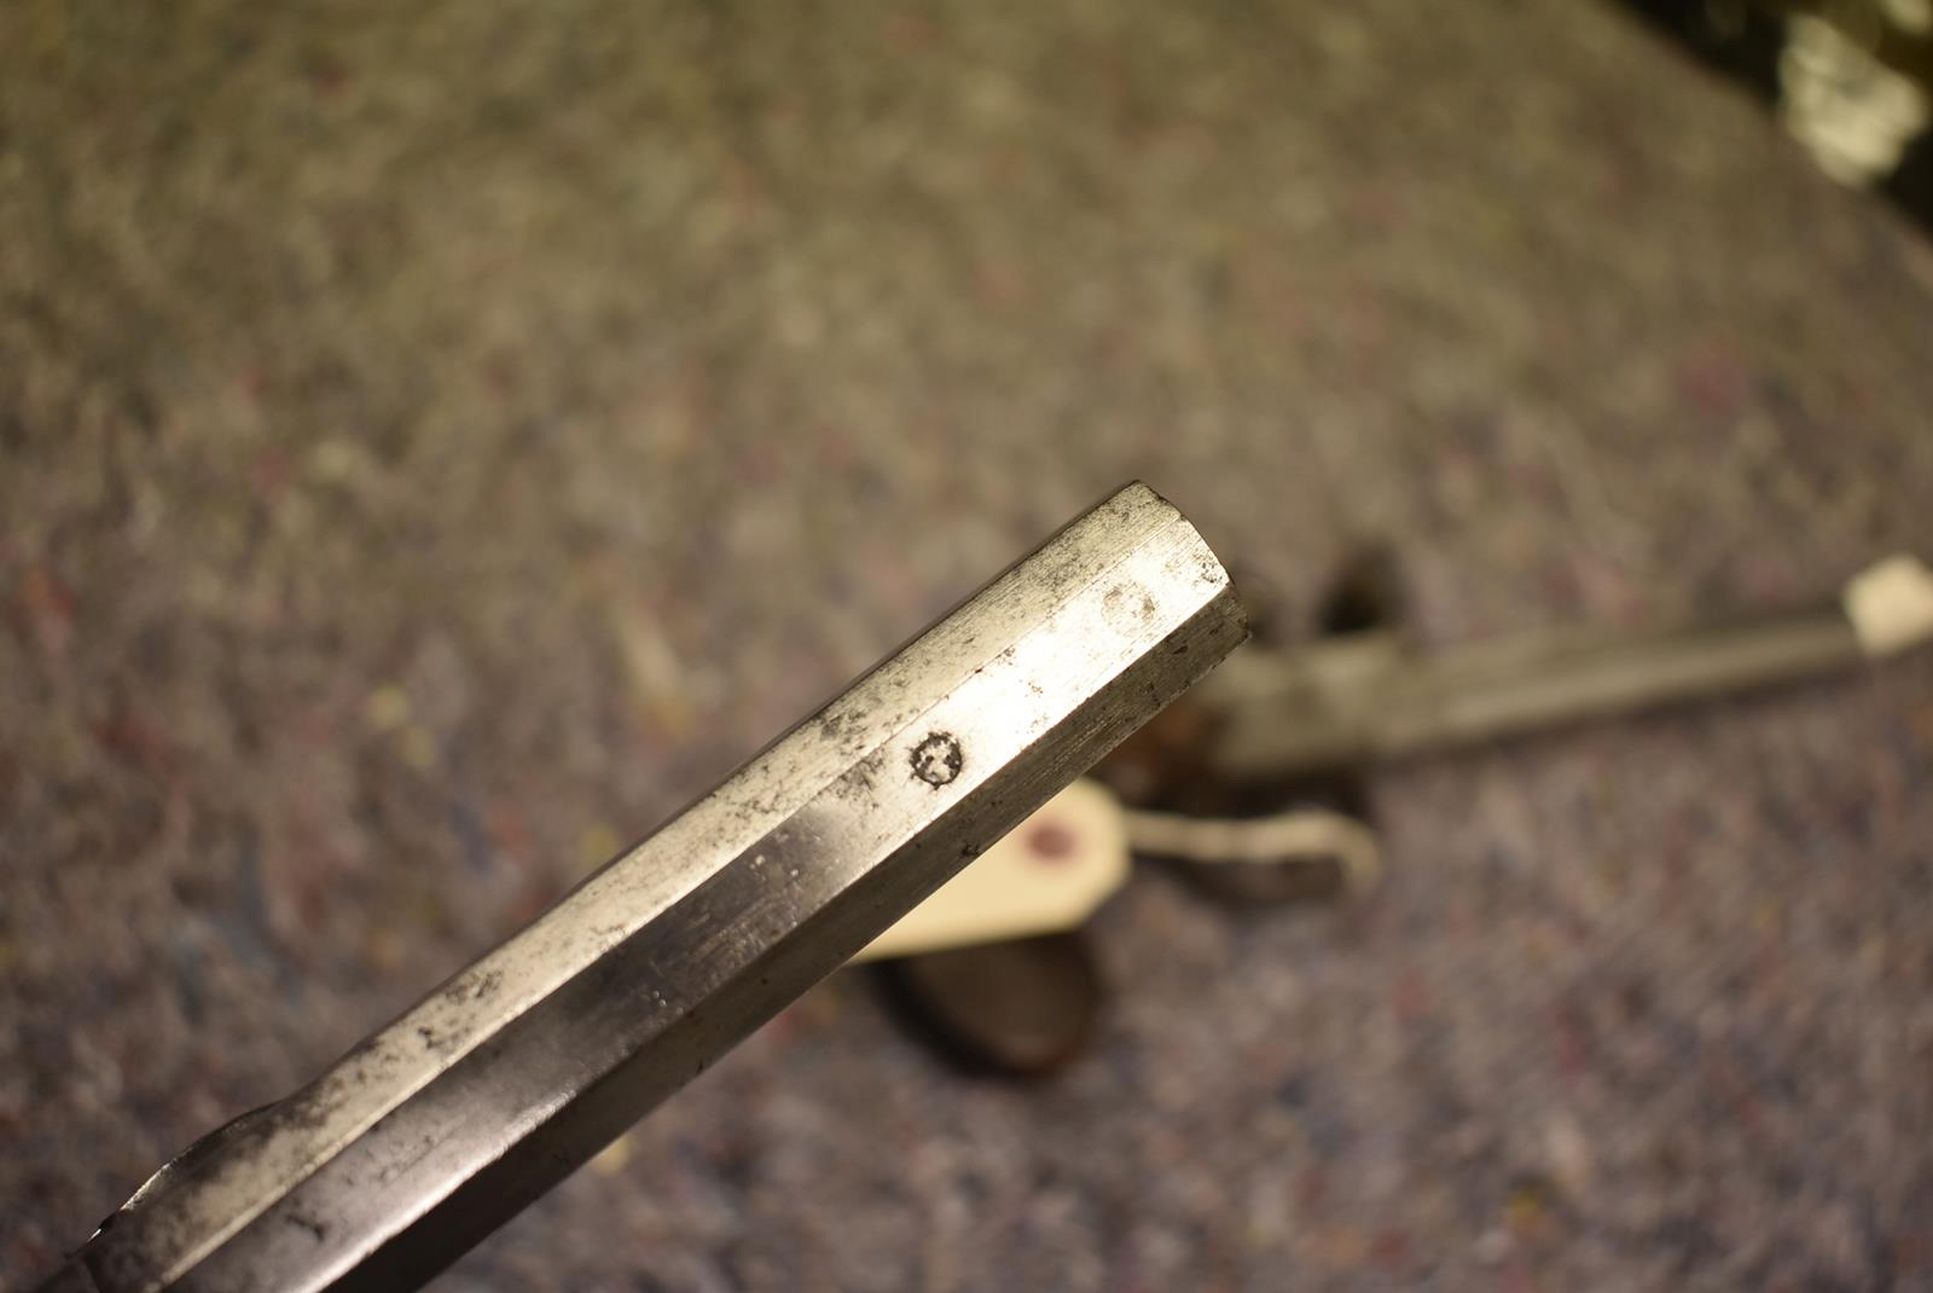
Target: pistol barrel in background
(447,1122)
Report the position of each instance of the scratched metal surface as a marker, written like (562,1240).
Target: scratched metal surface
(437,442)
(497,1084)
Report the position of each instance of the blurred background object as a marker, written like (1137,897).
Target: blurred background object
(436,441)
(1852,79)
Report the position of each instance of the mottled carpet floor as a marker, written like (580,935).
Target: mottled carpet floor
(436,440)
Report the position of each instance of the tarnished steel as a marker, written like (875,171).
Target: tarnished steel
(448,1121)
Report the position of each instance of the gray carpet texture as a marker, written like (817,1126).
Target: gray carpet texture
(437,440)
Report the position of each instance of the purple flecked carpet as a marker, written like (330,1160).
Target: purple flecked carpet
(437,440)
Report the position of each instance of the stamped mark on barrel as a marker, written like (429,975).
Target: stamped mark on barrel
(938,759)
